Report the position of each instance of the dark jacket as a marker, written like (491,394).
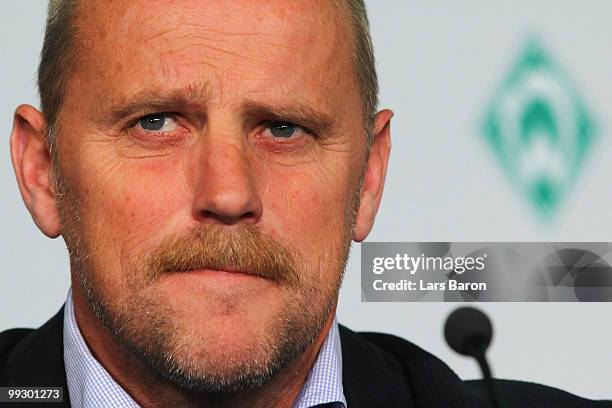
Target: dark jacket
(379,370)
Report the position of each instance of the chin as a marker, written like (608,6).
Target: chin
(234,304)
(215,332)
(208,351)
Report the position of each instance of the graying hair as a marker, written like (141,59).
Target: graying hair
(363,53)
(57,60)
(59,53)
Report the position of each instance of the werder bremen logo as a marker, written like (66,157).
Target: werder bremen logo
(539,129)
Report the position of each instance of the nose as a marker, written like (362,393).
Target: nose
(226,189)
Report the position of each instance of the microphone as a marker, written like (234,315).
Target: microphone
(468,331)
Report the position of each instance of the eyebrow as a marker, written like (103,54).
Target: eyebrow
(158,100)
(155,100)
(299,113)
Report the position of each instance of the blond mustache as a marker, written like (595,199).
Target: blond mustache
(244,250)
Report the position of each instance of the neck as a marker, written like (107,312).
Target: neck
(149,390)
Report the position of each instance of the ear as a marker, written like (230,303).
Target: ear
(32,165)
(374,176)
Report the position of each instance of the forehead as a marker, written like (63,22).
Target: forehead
(263,46)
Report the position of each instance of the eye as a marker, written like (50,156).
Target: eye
(158,122)
(284,130)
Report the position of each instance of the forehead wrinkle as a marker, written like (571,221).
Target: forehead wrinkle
(175,23)
(329,22)
(270,23)
(334,51)
(213,32)
(221,45)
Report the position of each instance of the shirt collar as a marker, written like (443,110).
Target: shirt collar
(91,386)
(324,383)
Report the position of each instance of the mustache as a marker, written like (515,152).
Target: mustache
(245,249)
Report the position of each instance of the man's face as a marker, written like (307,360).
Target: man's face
(204,136)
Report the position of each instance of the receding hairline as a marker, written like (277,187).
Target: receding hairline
(60,55)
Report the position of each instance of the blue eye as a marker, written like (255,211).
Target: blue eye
(152,122)
(282,129)
(158,122)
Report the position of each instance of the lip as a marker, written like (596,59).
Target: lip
(218,281)
(214,285)
(221,273)
(228,269)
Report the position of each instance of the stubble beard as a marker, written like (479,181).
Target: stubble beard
(150,331)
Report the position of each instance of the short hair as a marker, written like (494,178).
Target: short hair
(57,58)
(59,54)
(363,55)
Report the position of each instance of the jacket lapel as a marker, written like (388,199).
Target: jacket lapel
(371,377)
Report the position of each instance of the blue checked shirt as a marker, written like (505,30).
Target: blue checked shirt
(91,386)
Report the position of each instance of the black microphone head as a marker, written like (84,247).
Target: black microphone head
(468,330)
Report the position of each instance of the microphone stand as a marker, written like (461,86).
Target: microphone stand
(478,352)
(469,331)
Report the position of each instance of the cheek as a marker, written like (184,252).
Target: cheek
(127,206)
(307,209)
